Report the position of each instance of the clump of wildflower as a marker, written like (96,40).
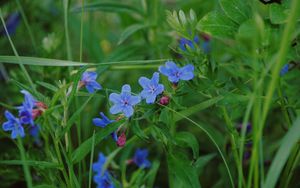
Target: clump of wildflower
(140,158)
(88,80)
(175,73)
(124,102)
(151,88)
(102,177)
(13,124)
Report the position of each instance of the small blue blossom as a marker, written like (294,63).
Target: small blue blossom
(124,102)
(98,166)
(140,158)
(102,178)
(11,24)
(151,88)
(104,181)
(25,111)
(102,122)
(114,136)
(175,73)
(34,131)
(13,124)
(183,43)
(284,69)
(88,79)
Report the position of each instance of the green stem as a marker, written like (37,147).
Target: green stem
(24,162)
(91,161)
(234,148)
(66,20)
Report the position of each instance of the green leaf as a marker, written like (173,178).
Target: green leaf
(40,61)
(288,142)
(196,108)
(85,147)
(150,177)
(130,31)
(181,173)
(108,7)
(236,10)
(38,164)
(202,161)
(44,186)
(48,86)
(278,14)
(138,131)
(186,139)
(217,24)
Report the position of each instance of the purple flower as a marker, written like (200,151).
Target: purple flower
(102,122)
(25,111)
(124,102)
(175,73)
(183,43)
(151,88)
(284,69)
(140,158)
(11,24)
(88,79)
(13,124)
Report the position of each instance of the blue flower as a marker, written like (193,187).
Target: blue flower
(102,178)
(183,43)
(88,79)
(11,24)
(284,69)
(140,158)
(151,88)
(104,181)
(175,73)
(124,102)
(102,122)
(13,124)
(25,111)
(98,166)
(34,131)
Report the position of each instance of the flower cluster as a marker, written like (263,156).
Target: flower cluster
(28,112)
(125,101)
(185,43)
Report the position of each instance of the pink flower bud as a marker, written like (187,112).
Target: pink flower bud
(164,100)
(121,140)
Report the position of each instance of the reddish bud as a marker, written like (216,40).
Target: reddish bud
(164,100)
(121,140)
(41,105)
(205,37)
(36,113)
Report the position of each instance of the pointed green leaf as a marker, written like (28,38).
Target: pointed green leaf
(130,31)
(187,139)
(236,10)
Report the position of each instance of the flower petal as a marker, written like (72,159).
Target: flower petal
(150,99)
(99,122)
(126,88)
(115,109)
(155,78)
(19,131)
(134,100)
(115,98)
(8,126)
(95,85)
(90,88)
(143,81)
(9,116)
(128,111)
